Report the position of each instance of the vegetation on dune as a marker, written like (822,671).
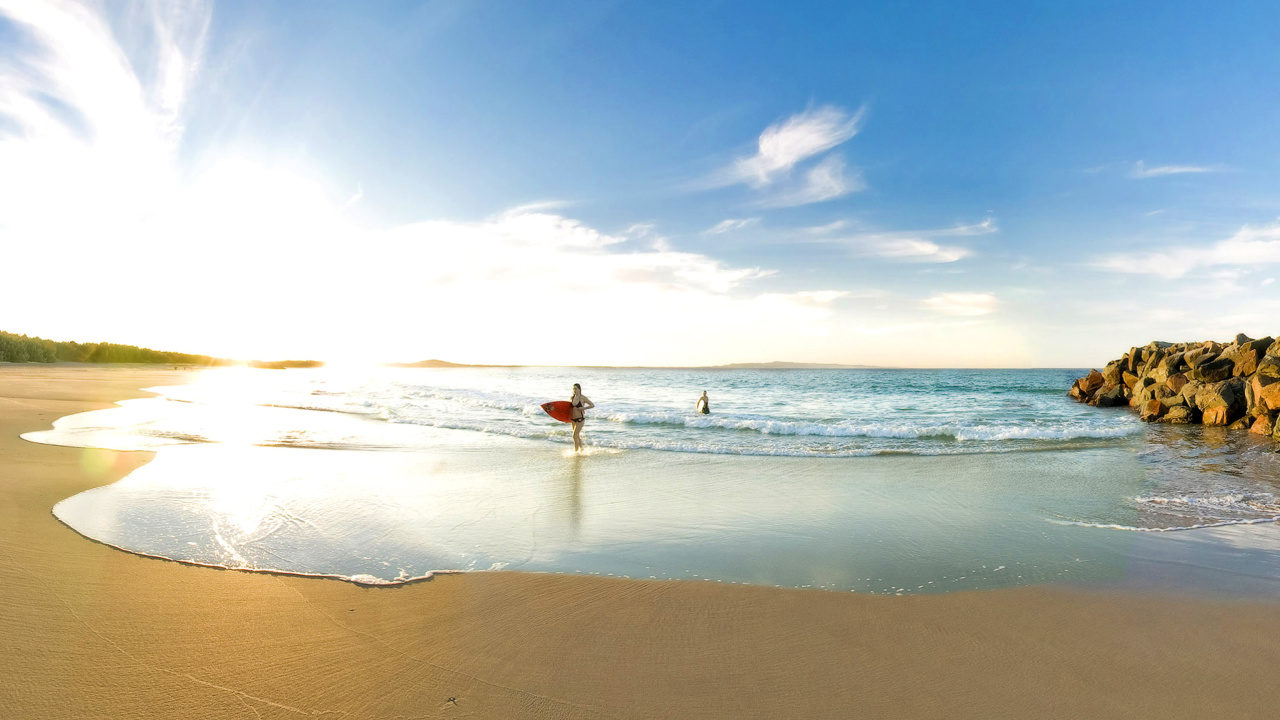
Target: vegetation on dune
(21,348)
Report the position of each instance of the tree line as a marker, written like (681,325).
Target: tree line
(21,348)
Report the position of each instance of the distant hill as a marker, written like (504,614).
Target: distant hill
(284,364)
(443,364)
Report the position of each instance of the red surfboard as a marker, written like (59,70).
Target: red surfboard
(561,410)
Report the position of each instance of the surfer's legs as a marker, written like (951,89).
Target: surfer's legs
(577,436)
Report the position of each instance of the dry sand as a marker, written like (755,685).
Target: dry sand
(89,631)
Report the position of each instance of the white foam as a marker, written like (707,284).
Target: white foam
(1198,526)
(1212,510)
(900,430)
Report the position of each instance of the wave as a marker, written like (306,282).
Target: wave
(632,426)
(1177,528)
(775,426)
(766,425)
(708,446)
(1216,510)
(1229,502)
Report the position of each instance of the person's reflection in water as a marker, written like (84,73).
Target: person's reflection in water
(571,493)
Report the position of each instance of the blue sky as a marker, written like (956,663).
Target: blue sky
(932,184)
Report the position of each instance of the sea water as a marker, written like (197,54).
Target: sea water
(884,481)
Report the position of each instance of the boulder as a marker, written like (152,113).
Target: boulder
(1267,398)
(1274,348)
(1269,366)
(1180,415)
(1176,382)
(1152,362)
(1128,379)
(1146,393)
(1151,411)
(1110,396)
(1091,382)
(1220,415)
(1241,339)
(1111,373)
(1264,425)
(1199,356)
(1230,352)
(1260,346)
(1253,391)
(1228,394)
(1244,422)
(1189,392)
(1246,363)
(1213,371)
(1173,362)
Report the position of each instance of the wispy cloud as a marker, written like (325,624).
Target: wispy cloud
(1251,245)
(84,122)
(357,197)
(799,137)
(731,224)
(1141,171)
(913,249)
(785,146)
(825,181)
(910,246)
(964,304)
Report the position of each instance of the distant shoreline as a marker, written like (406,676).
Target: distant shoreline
(445,365)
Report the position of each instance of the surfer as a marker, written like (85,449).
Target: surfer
(579,403)
(704,404)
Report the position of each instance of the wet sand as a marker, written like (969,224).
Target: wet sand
(90,631)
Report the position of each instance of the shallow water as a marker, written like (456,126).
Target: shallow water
(871,481)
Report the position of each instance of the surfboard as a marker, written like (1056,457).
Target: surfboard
(560,410)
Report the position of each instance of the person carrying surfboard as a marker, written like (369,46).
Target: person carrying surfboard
(704,404)
(578,403)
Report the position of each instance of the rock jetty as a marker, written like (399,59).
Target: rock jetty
(1236,385)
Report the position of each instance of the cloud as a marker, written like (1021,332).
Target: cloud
(799,137)
(910,246)
(730,225)
(913,249)
(357,197)
(1251,245)
(961,303)
(824,181)
(787,145)
(83,122)
(1141,171)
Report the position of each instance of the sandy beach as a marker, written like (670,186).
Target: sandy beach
(90,631)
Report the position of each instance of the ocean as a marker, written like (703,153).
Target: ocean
(877,481)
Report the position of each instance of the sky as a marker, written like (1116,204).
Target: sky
(915,184)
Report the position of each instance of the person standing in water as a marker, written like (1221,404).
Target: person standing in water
(578,403)
(704,404)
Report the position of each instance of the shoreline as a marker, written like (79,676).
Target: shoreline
(87,630)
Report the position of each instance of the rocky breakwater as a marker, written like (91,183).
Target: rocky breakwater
(1236,385)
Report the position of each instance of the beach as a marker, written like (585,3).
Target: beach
(90,631)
